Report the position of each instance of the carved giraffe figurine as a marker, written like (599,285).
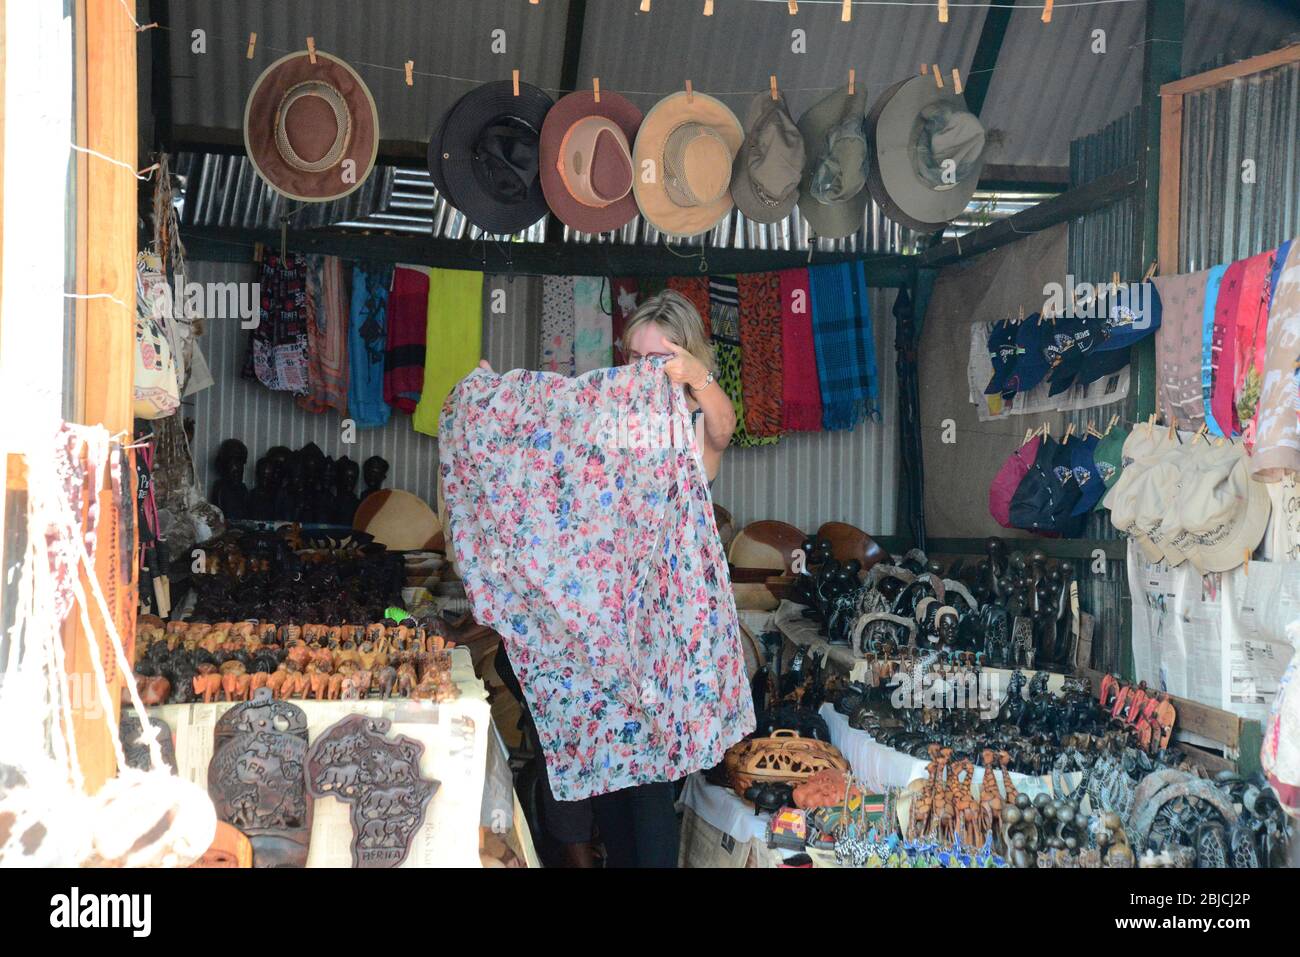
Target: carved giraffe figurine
(1009,792)
(943,822)
(990,797)
(918,818)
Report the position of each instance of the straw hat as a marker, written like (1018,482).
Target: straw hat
(690,141)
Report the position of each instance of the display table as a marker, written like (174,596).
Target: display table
(455,736)
(879,767)
(721,830)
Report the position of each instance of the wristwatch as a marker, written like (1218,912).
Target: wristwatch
(708,381)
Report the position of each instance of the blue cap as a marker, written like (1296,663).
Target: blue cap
(1132,314)
(1031,366)
(1003,354)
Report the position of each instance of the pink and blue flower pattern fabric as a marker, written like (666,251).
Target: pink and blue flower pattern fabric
(581,523)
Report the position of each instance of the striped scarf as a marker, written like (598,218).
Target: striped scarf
(327,338)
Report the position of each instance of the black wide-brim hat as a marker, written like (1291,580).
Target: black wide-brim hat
(483,157)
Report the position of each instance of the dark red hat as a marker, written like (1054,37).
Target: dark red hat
(586,161)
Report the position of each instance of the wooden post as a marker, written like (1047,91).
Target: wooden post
(106,65)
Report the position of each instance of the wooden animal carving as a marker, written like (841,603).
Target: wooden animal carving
(336,687)
(208,685)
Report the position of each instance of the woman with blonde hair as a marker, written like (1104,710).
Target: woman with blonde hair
(668,325)
(638,825)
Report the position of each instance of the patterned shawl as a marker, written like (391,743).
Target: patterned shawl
(556,345)
(696,289)
(582,526)
(592,327)
(327,338)
(368,335)
(724,314)
(277,345)
(760,343)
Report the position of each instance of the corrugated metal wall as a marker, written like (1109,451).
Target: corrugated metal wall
(805,479)
(810,478)
(1221,217)
(238,408)
(1099,244)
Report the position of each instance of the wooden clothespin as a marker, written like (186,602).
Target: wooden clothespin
(595,88)
(943,11)
(708,8)
(1114,281)
(1173,428)
(690,92)
(514,78)
(772,83)
(1245,565)
(1047,11)
(853,76)
(792,6)
(645,6)
(1070,431)
(925,69)
(1021,316)
(1151,271)
(1151,422)
(956,80)
(1029,434)
(252,46)
(410,73)
(938,77)
(846,11)
(311,49)
(1111,424)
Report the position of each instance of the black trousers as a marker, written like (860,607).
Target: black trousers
(638,825)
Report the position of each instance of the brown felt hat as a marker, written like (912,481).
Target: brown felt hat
(586,161)
(311,129)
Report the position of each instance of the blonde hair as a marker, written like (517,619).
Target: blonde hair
(681,324)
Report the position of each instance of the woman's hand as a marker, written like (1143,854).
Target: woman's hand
(684,369)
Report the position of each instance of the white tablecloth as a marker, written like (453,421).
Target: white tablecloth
(880,767)
(721,808)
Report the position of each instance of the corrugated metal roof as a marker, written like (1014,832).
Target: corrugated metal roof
(1049,88)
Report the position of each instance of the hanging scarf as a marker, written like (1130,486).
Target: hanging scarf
(724,313)
(626,296)
(368,336)
(455,340)
(277,345)
(582,526)
(556,345)
(1276,428)
(408,323)
(696,289)
(327,338)
(801,398)
(1258,281)
(1223,350)
(592,328)
(845,344)
(760,344)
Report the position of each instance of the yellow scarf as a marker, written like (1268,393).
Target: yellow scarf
(453,341)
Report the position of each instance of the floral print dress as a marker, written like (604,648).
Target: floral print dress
(582,526)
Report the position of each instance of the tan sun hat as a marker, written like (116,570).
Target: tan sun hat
(311,130)
(689,141)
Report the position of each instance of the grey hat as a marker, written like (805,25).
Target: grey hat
(833,192)
(765,176)
(927,153)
